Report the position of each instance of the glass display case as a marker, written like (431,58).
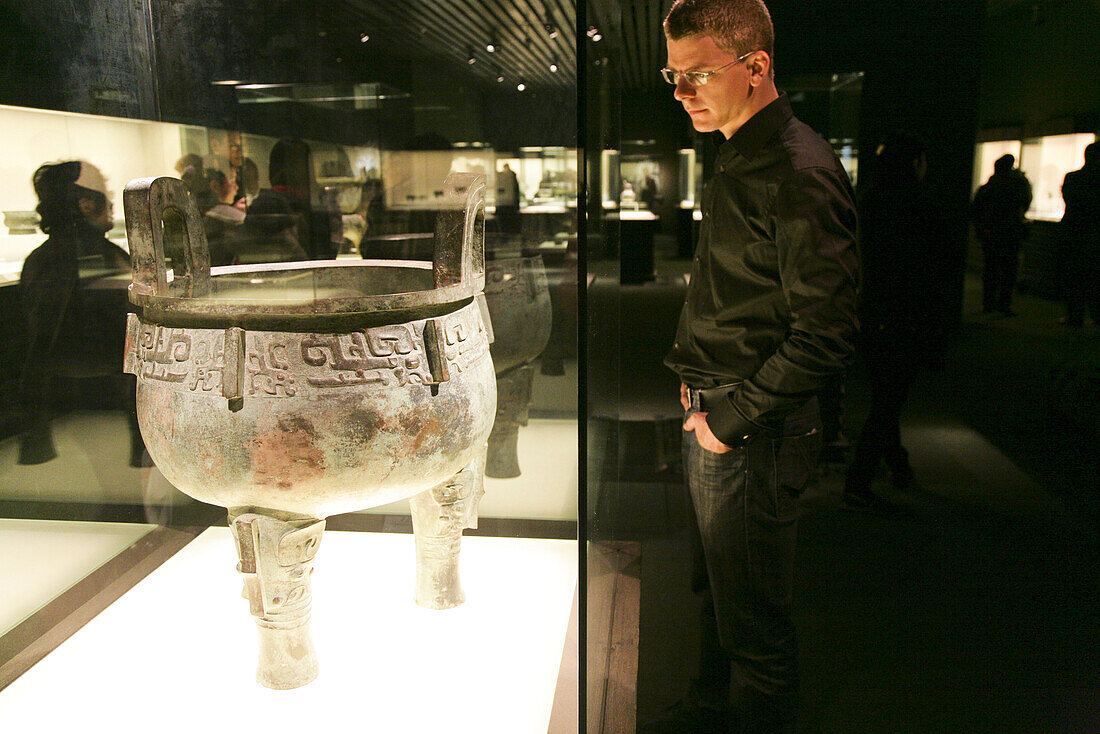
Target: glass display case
(610,179)
(690,178)
(1044,160)
(413,179)
(548,178)
(237,282)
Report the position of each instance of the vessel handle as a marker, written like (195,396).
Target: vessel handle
(459,256)
(162,224)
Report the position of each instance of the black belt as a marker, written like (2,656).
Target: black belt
(704,399)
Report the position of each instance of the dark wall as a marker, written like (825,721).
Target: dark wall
(1041,68)
(91,57)
(922,66)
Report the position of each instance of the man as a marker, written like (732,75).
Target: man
(1079,235)
(999,207)
(769,319)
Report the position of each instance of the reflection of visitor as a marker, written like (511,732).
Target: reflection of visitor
(508,200)
(268,234)
(291,173)
(70,332)
(649,192)
(227,154)
(223,217)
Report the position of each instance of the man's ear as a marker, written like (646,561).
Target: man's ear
(760,67)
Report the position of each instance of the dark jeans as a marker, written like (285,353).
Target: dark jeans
(1081,283)
(746,506)
(1002,262)
(892,356)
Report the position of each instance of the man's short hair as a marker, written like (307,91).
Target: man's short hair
(1004,164)
(737,26)
(1092,154)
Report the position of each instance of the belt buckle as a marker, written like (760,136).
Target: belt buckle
(695,398)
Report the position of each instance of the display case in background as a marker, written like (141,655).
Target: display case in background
(1045,161)
(109,567)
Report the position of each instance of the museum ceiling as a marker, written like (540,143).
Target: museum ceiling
(531,40)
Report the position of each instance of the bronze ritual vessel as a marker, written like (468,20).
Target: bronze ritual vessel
(289,392)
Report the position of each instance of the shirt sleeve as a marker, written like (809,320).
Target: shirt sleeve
(818,260)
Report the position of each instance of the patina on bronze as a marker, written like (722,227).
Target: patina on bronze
(293,391)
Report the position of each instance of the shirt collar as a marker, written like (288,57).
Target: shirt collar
(759,129)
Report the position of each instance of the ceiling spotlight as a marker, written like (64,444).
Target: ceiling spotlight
(471,60)
(492,46)
(520,87)
(554,65)
(551,30)
(500,76)
(363,37)
(594,33)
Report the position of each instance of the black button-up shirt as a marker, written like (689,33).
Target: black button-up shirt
(772,299)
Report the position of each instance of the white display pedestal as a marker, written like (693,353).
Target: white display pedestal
(177,653)
(42,558)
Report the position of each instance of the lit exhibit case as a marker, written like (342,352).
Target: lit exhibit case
(239,356)
(1044,160)
(413,179)
(548,196)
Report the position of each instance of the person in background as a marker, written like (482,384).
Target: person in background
(999,208)
(769,319)
(508,200)
(227,155)
(268,234)
(223,217)
(71,332)
(902,249)
(290,169)
(1079,238)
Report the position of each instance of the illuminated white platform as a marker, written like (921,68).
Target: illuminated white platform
(177,652)
(39,559)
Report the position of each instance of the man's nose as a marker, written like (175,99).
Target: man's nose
(683,90)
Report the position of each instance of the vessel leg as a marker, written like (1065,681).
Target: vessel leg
(276,560)
(439,516)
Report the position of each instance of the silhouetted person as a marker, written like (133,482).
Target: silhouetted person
(71,332)
(999,208)
(291,172)
(268,234)
(649,192)
(902,254)
(1079,237)
(508,200)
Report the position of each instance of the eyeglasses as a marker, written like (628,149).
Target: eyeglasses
(698,78)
